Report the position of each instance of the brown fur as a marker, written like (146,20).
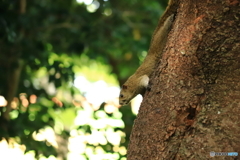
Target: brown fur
(138,82)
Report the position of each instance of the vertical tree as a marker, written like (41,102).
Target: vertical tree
(194,104)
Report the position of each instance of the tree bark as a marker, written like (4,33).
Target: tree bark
(193,107)
(12,65)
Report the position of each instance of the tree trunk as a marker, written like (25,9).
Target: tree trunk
(193,107)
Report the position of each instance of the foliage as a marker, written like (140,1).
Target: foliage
(48,42)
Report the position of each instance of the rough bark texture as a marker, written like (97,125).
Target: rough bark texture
(193,107)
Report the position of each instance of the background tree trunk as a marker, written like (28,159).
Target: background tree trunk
(194,105)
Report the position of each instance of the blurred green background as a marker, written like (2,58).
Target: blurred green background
(61,65)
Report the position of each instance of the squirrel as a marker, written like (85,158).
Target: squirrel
(138,82)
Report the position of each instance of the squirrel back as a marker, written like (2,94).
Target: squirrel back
(158,39)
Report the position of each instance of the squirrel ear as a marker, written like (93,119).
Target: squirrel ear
(144,81)
(124,86)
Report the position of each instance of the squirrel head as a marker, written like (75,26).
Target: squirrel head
(132,87)
(125,95)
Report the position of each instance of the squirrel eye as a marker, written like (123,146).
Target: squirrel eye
(121,96)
